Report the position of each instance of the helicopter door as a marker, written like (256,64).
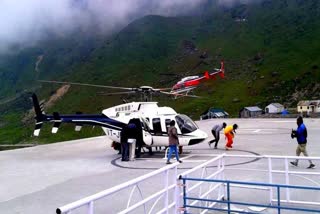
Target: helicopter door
(147,137)
(160,136)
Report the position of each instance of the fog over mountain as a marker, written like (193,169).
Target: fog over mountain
(25,22)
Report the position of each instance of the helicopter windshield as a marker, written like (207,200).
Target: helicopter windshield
(185,124)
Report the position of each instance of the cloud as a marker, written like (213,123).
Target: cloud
(232,2)
(25,22)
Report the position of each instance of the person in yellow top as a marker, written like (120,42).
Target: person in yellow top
(229,132)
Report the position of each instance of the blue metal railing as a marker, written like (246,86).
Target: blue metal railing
(229,202)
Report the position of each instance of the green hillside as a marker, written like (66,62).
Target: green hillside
(269,48)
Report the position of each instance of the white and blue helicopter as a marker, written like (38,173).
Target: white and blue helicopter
(153,121)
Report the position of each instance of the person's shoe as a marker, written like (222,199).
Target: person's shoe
(168,162)
(311,166)
(180,161)
(209,144)
(294,163)
(215,147)
(228,148)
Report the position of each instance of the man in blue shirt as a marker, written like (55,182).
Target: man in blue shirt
(301,135)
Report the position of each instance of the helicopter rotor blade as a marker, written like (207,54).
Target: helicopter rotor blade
(171,74)
(115,93)
(161,89)
(179,95)
(85,84)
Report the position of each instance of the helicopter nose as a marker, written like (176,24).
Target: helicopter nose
(199,137)
(202,134)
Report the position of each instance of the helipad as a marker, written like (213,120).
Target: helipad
(40,179)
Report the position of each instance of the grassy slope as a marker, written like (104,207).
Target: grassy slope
(284,34)
(277,37)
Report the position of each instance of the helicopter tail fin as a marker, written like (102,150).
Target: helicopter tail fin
(57,122)
(39,115)
(206,75)
(222,69)
(78,125)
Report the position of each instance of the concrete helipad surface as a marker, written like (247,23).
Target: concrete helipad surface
(40,179)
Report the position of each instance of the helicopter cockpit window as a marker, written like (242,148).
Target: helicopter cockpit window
(186,125)
(156,122)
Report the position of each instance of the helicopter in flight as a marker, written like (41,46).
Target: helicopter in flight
(189,83)
(151,120)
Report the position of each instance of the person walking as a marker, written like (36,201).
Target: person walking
(229,133)
(301,134)
(216,134)
(173,142)
(138,136)
(132,137)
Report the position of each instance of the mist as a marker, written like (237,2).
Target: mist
(23,23)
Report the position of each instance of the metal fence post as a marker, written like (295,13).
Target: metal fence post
(166,184)
(287,179)
(184,196)
(176,189)
(228,196)
(270,179)
(90,207)
(278,196)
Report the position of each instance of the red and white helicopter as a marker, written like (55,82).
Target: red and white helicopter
(187,84)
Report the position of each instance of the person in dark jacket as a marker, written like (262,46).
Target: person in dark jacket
(173,142)
(124,144)
(301,134)
(138,136)
(132,135)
